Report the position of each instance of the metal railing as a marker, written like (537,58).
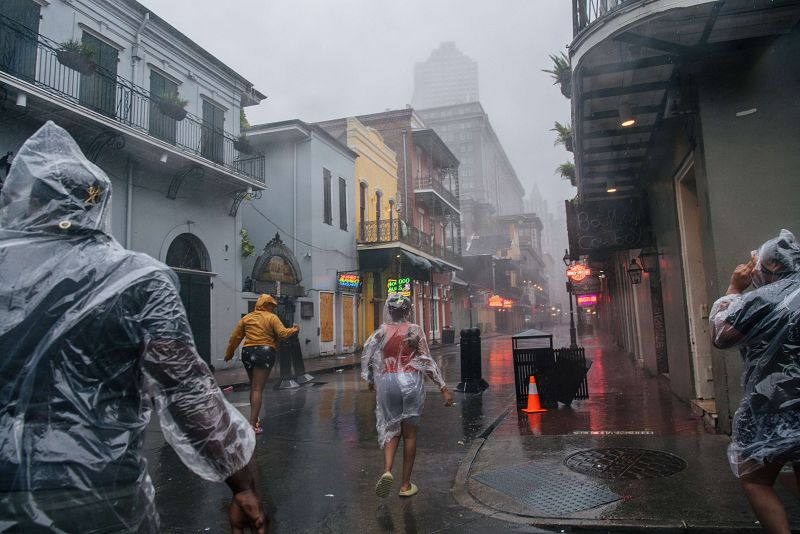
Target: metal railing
(34,58)
(586,12)
(373,232)
(437,185)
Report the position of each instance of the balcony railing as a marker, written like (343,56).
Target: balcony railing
(586,12)
(33,58)
(437,185)
(374,232)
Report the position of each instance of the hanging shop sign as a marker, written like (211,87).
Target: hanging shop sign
(578,271)
(400,286)
(601,226)
(495,301)
(508,303)
(587,300)
(348,282)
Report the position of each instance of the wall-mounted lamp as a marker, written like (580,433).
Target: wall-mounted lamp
(611,186)
(22,100)
(566,259)
(163,158)
(635,271)
(626,118)
(249,190)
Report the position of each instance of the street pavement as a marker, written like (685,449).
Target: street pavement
(482,466)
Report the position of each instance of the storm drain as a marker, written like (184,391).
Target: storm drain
(624,463)
(549,494)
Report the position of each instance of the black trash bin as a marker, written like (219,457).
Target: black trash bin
(448,335)
(471,374)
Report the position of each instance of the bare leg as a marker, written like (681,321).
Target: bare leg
(257,380)
(409,453)
(389,451)
(764,501)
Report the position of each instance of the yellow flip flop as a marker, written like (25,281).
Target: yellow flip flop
(410,492)
(384,485)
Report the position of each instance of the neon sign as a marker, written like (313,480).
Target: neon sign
(587,300)
(400,286)
(495,301)
(508,303)
(578,271)
(349,282)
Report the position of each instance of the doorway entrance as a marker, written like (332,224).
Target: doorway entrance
(694,278)
(327,342)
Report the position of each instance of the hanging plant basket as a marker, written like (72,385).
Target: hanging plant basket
(172,110)
(565,82)
(569,144)
(243,146)
(76,61)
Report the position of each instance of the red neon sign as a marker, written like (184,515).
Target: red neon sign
(508,303)
(495,301)
(578,271)
(587,300)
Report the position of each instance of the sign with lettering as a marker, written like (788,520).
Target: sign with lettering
(587,300)
(578,271)
(495,301)
(348,282)
(508,303)
(606,225)
(588,285)
(400,286)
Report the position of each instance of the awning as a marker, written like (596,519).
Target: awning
(417,261)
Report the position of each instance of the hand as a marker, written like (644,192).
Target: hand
(742,277)
(448,397)
(371,386)
(228,358)
(245,511)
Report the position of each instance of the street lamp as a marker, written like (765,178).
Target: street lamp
(635,272)
(573,342)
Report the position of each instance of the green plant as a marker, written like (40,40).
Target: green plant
(563,135)
(77,47)
(173,99)
(244,124)
(567,171)
(247,247)
(561,73)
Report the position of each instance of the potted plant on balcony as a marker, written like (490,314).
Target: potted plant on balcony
(76,56)
(564,135)
(243,145)
(172,105)
(561,73)
(567,171)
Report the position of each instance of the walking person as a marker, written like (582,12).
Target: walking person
(765,324)
(91,337)
(261,330)
(395,358)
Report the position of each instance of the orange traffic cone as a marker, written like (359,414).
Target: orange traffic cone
(533,398)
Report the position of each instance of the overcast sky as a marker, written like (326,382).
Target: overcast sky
(324,59)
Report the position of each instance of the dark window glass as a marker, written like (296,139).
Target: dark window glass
(327,217)
(213,137)
(18,37)
(188,252)
(342,203)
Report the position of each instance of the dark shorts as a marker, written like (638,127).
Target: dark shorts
(261,357)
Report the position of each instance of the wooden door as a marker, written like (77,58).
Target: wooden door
(195,293)
(348,323)
(327,344)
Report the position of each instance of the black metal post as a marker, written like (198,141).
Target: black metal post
(469,297)
(573,342)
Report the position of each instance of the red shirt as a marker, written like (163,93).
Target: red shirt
(399,350)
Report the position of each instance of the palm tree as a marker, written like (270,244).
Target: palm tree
(567,171)
(561,73)
(564,136)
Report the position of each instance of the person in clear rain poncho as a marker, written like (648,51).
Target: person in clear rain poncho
(765,324)
(91,335)
(394,361)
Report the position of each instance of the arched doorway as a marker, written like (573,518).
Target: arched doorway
(189,258)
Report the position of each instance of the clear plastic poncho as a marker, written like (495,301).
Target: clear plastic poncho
(765,323)
(395,359)
(91,336)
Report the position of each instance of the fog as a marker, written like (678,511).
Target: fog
(323,59)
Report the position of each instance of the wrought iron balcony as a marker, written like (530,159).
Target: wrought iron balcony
(377,232)
(33,58)
(586,12)
(446,191)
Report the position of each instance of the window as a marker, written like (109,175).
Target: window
(342,203)
(160,125)
(327,217)
(18,43)
(362,208)
(378,207)
(421,213)
(99,91)
(212,136)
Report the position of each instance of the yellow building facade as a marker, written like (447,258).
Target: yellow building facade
(376,201)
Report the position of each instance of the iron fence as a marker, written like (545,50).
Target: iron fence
(373,232)
(34,58)
(431,182)
(586,12)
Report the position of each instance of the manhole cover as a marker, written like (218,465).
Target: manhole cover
(625,463)
(550,494)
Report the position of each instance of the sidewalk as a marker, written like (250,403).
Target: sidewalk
(630,458)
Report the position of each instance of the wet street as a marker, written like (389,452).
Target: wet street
(319,459)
